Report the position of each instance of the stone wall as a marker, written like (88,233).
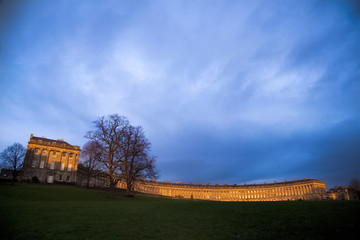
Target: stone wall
(307,189)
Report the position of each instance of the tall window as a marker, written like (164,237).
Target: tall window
(60,177)
(69,167)
(52,165)
(33,163)
(42,163)
(62,166)
(68,178)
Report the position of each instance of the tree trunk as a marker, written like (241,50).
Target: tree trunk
(129,189)
(14,177)
(112,188)
(88,182)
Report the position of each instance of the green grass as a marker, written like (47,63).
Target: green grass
(68,212)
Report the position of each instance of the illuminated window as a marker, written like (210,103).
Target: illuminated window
(69,167)
(62,166)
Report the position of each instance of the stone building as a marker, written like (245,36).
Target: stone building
(307,189)
(343,193)
(51,160)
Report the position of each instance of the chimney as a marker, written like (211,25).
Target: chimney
(31,136)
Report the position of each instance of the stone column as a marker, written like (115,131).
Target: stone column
(48,158)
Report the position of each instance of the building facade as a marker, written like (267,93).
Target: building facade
(307,189)
(51,160)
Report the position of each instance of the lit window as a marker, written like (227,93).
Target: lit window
(62,166)
(69,167)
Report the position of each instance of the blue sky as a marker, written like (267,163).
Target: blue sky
(226,91)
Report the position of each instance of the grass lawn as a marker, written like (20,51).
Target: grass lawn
(67,212)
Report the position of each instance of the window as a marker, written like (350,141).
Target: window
(52,165)
(68,178)
(71,155)
(43,152)
(64,154)
(42,163)
(36,151)
(54,153)
(69,167)
(62,166)
(60,177)
(33,163)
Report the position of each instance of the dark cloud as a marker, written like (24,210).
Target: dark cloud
(329,153)
(226,92)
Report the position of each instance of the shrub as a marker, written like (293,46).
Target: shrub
(35,179)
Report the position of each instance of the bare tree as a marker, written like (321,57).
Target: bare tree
(109,133)
(137,163)
(355,183)
(123,151)
(12,158)
(90,155)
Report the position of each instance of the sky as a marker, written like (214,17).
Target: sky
(226,91)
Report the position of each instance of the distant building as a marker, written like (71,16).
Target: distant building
(51,160)
(97,178)
(7,174)
(343,193)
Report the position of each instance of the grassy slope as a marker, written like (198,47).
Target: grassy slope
(66,212)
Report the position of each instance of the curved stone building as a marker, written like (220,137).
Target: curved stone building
(307,189)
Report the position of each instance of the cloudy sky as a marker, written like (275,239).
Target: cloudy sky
(226,91)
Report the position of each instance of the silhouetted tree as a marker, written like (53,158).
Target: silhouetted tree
(12,158)
(90,158)
(137,163)
(109,133)
(123,150)
(355,183)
